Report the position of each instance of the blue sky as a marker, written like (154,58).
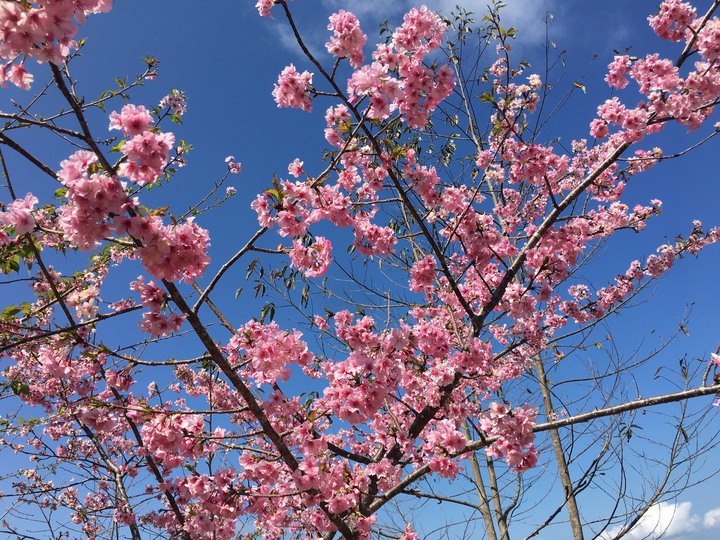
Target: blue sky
(226,59)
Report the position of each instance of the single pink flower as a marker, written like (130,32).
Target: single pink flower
(296,168)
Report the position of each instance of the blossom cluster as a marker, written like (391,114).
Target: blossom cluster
(147,155)
(173,438)
(687,99)
(291,89)
(673,20)
(398,78)
(172,252)
(314,260)
(94,199)
(175,101)
(43,30)
(348,39)
(268,352)
(514,430)
(154,322)
(263,7)
(146,152)
(18,214)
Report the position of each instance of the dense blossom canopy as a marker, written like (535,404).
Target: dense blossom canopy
(487,277)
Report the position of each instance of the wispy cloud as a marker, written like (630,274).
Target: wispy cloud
(372,8)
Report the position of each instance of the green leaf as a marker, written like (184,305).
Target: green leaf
(19,388)
(250,268)
(267,312)
(259,290)
(10,264)
(206,363)
(305,296)
(9,312)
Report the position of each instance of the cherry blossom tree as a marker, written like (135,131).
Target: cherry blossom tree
(141,407)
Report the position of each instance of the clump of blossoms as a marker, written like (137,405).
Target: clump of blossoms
(154,322)
(18,214)
(264,6)
(173,438)
(147,155)
(234,167)
(291,89)
(267,352)
(398,78)
(94,199)
(16,74)
(514,430)
(173,252)
(131,120)
(348,39)
(673,20)
(175,101)
(146,151)
(43,31)
(314,259)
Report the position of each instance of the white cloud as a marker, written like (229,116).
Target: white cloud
(711,520)
(369,7)
(663,520)
(527,16)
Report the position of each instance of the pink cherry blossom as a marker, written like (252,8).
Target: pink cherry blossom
(268,351)
(708,40)
(175,101)
(264,6)
(292,89)
(618,69)
(514,429)
(132,120)
(673,19)
(490,259)
(409,533)
(18,214)
(172,252)
(17,75)
(295,168)
(233,166)
(423,274)
(313,260)
(40,30)
(147,155)
(348,39)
